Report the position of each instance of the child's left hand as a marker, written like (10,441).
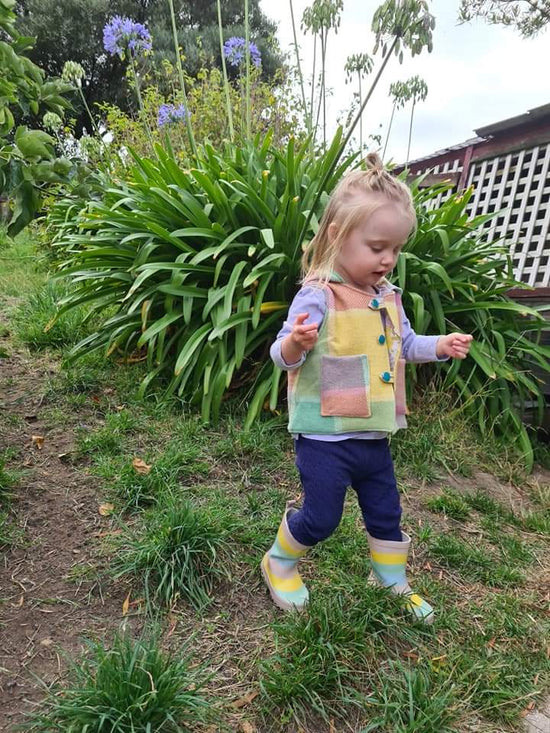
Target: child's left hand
(456,345)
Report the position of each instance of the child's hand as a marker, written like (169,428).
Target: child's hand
(301,338)
(304,336)
(456,345)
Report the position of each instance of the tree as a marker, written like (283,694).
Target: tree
(72,30)
(27,157)
(529,17)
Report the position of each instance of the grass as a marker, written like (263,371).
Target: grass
(22,270)
(475,563)
(175,552)
(9,532)
(205,513)
(440,440)
(34,323)
(133,686)
(450,504)
(324,654)
(412,699)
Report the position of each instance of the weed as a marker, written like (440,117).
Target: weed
(412,699)
(175,550)
(34,324)
(473,562)
(323,653)
(133,686)
(450,504)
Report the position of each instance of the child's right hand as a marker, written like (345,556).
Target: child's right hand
(301,338)
(304,336)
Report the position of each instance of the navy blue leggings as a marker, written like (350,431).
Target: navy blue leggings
(327,469)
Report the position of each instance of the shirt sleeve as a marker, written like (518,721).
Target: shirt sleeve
(415,348)
(308,299)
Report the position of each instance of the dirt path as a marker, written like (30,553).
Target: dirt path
(44,607)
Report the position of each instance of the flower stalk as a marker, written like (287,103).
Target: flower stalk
(182,80)
(225,77)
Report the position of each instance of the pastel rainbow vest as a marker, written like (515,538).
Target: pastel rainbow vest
(354,378)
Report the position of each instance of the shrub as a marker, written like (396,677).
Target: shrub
(455,280)
(199,265)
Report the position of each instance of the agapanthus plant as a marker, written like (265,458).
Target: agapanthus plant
(123,33)
(169,114)
(73,72)
(234,50)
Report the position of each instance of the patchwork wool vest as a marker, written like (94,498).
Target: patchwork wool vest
(354,377)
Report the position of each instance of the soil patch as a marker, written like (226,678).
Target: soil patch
(48,595)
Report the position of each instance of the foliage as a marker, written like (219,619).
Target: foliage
(455,280)
(526,16)
(413,699)
(176,554)
(272,108)
(199,264)
(132,686)
(27,157)
(73,30)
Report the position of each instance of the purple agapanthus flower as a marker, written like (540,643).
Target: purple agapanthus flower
(234,51)
(122,33)
(168,114)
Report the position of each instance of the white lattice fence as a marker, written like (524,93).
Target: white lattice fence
(518,185)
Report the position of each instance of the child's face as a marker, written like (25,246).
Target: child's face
(370,251)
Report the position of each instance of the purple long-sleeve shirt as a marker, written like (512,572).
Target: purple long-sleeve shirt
(311,299)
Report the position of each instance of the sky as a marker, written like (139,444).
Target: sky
(477,74)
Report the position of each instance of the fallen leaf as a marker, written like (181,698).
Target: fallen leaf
(19,602)
(120,407)
(106,509)
(245,700)
(96,398)
(126,604)
(140,466)
(527,709)
(38,441)
(46,642)
(173,623)
(491,642)
(247,727)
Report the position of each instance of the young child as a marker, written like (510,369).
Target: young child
(344,344)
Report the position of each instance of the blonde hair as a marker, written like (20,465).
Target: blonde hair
(354,199)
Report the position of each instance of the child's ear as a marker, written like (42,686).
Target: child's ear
(332,231)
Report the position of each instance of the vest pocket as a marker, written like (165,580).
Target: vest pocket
(345,386)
